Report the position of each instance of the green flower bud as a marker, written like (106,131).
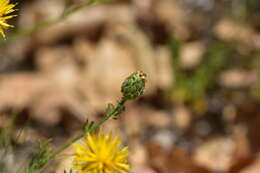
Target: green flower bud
(133,86)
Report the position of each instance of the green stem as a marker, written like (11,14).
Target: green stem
(46,24)
(70,11)
(93,128)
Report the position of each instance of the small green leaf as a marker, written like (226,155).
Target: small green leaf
(110,108)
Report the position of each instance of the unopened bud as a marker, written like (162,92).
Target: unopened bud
(134,85)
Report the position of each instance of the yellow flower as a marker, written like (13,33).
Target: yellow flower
(100,153)
(5,9)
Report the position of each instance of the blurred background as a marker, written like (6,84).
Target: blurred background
(200,111)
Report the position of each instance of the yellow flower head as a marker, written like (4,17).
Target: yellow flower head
(5,9)
(100,153)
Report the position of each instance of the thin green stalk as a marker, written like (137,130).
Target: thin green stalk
(46,24)
(108,116)
(91,129)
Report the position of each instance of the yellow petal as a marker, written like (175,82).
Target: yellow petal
(2,32)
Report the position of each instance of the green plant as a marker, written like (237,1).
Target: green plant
(191,87)
(132,88)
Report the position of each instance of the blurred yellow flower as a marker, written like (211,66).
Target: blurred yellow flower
(5,9)
(100,153)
